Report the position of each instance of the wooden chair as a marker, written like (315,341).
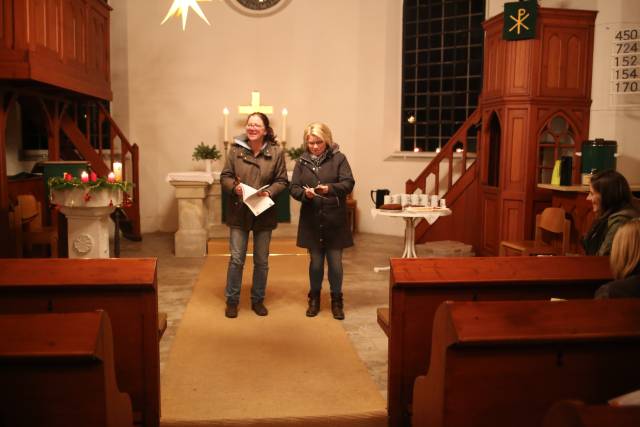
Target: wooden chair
(33,232)
(550,223)
(352,207)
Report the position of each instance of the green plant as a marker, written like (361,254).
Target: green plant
(69,182)
(295,152)
(202,152)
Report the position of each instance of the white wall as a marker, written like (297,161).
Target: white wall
(337,61)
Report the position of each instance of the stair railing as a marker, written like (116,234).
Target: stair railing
(454,151)
(98,126)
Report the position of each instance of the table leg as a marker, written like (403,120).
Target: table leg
(409,239)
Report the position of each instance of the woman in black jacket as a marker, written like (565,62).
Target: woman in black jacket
(321,181)
(625,263)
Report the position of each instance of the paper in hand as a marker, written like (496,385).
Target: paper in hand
(256,204)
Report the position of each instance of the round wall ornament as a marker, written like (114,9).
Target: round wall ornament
(258,7)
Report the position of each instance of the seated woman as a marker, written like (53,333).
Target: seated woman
(625,264)
(613,205)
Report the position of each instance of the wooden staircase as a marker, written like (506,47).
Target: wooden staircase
(453,175)
(88,126)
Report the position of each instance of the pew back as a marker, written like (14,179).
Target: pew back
(576,414)
(125,288)
(419,285)
(57,370)
(506,363)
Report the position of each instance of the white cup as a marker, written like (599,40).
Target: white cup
(387,199)
(443,203)
(434,201)
(395,199)
(405,199)
(415,199)
(424,200)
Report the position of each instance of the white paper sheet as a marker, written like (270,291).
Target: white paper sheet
(257,204)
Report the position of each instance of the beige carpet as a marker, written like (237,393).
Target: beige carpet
(281,370)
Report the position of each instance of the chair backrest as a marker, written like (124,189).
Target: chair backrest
(31,211)
(553,220)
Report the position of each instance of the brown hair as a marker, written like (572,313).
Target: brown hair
(614,191)
(625,249)
(270,136)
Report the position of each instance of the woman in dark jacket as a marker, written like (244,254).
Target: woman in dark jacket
(613,206)
(321,181)
(625,264)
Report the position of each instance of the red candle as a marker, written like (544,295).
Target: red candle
(84,176)
(111,177)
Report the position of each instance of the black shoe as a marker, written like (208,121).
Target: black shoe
(337,306)
(314,304)
(231,310)
(259,308)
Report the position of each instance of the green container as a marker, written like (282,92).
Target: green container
(598,155)
(58,168)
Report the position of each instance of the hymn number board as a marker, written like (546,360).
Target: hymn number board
(625,67)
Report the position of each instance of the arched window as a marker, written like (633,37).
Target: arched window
(556,140)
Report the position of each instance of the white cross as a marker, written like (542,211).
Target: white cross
(255,106)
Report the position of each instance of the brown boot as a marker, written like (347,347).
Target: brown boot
(231,310)
(259,308)
(314,304)
(337,306)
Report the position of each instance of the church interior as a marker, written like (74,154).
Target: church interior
(472,129)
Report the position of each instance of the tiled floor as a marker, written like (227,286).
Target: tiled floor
(364,291)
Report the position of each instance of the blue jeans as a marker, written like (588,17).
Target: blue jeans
(238,240)
(316,269)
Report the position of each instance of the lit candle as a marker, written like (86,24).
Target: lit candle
(285,113)
(225,112)
(84,176)
(111,177)
(117,171)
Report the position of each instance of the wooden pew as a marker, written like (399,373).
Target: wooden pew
(576,414)
(503,364)
(126,288)
(57,370)
(419,285)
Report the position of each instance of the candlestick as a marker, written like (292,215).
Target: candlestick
(111,177)
(225,112)
(84,176)
(117,171)
(285,113)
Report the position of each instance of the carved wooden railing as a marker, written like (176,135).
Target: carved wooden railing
(99,127)
(454,153)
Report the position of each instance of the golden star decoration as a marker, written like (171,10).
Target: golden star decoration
(181,8)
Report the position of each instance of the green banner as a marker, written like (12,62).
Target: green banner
(520,20)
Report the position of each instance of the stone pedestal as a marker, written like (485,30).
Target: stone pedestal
(191,238)
(88,220)
(213,202)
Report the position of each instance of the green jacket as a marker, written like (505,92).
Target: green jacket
(599,239)
(267,168)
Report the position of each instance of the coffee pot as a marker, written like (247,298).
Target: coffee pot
(379,197)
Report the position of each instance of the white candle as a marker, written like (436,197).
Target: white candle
(225,112)
(117,171)
(285,113)
(84,176)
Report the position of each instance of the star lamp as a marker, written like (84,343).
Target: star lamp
(181,8)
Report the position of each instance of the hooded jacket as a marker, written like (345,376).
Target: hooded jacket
(323,220)
(266,168)
(600,237)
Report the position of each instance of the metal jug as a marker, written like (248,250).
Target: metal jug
(379,197)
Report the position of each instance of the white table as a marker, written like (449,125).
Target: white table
(411,220)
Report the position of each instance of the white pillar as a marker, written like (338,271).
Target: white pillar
(191,238)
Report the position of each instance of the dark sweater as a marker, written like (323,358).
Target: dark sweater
(629,287)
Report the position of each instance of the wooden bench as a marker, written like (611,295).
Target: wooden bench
(577,414)
(57,370)
(126,288)
(419,285)
(505,363)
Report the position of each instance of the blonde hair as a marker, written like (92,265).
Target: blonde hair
(319,130)
(625,249)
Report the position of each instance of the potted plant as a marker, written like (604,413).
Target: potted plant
(294,153)
(207,153)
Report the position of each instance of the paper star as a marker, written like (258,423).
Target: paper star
(181,7)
